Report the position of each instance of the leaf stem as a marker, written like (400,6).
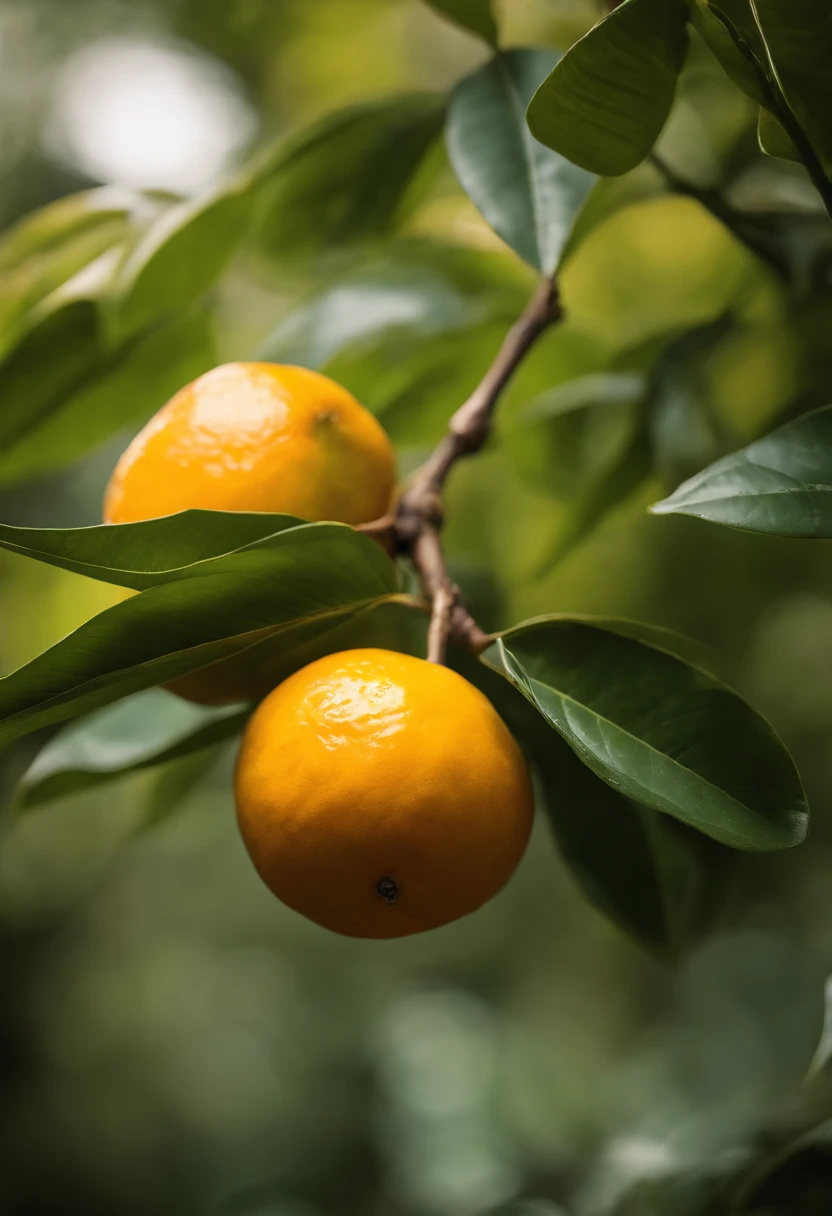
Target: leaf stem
(773,86)
(414,529)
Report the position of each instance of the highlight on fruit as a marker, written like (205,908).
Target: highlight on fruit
(257,437)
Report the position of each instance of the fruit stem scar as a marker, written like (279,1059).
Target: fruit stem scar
(388,889)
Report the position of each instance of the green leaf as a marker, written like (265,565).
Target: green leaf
(413,385)
(46,232)
(626,468)
(662,732)
(310,580)
(738,15)
(566,440)
(66,386)
(691,651)
(780,485)
(62,352)
(47,247)
(153,551)
(658,880)
(682,431)
(798,36)
(180,256)
(142,731)
(421,289)
(774,140)
(731,48)
(606,102)
(528,194)
(120,390)
(474,15)
(391,623)
(342,182)
(174,782)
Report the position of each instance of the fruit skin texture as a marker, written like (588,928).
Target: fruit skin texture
(257,437)
(369,765)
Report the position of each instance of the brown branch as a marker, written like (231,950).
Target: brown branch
(429,560)
(415,527)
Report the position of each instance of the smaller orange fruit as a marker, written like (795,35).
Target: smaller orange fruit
(381,795)
(257,437)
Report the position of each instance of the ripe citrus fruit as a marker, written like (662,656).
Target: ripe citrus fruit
(380,795)
(257,437)
(254,437)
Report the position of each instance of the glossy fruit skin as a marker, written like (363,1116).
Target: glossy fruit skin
(370,767)
(257,437)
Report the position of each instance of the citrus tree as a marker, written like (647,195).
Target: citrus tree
(649,769)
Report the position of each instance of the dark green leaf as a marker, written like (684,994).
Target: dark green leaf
(658,880)
(422,289)
(738,15)
(309,581)
(120,390)
(627,469)
(731,47)
(46,248)
(343,181)
(566,440)
(682,429)
(662,732)
(798,36)
(153,551)
(63,352)
(46,232)
(528,194)
(396,622)
(774,140)
(66,386)
(606,102)
(144,730)
(414,384)
(780,485)
(180,256)
(474,15)
(691,651)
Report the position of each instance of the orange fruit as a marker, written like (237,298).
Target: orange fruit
(257,437)
(381,795)
(254,437)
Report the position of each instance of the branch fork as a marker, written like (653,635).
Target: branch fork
(414,528)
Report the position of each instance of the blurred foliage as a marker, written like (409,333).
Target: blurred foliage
(171,1039)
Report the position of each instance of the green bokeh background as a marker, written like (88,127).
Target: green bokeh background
(174,1041)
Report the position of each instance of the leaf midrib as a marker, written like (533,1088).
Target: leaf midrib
(162,577)
(77,691)
(525,137)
